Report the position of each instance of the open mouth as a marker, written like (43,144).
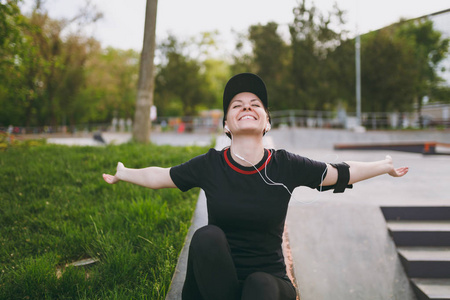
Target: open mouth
(247,117)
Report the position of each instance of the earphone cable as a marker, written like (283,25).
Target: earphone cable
(273,183)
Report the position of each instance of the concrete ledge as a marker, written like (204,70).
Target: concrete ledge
(199,219)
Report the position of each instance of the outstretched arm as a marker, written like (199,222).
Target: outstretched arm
(151,177)
(364,170)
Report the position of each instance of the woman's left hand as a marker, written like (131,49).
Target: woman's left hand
(396,172)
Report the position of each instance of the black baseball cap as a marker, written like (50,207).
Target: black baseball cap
(244,82)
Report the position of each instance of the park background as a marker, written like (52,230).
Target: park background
(58,80)
(57,76)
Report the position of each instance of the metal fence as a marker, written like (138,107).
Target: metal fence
(287,118)
(369,120)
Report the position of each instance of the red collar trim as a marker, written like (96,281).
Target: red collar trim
(237,169)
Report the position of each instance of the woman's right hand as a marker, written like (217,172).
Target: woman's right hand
(111,179)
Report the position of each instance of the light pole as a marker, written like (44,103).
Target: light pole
(358,66)
(358,77)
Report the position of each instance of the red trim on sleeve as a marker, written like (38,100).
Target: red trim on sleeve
(237,169)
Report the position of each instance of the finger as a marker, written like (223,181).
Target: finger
(402,171)
(108,178)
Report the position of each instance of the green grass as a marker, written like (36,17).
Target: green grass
(55,209)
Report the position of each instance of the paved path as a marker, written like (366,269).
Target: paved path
(169,138)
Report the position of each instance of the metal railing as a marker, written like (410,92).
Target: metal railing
(286,118)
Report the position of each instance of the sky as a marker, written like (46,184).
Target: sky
(122,25)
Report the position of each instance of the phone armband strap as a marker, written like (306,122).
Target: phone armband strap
(343,178)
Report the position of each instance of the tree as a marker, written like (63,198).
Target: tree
(141,128)
(271,58)
(46,66)
(341,64)
(181,83)
(110,86)
(13,43)
(429,49)
(312,40)
(217,72)
(388,74)
(399,65)
(242,60)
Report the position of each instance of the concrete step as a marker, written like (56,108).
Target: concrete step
(426,262)
(439,212)
(420,233)
(431,289)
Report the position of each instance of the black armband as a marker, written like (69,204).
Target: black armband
(343,178)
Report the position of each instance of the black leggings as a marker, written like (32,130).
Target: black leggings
(211,274)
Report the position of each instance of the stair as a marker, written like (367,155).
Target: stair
(422,237)
(420,233)
(426,262)
(427,288)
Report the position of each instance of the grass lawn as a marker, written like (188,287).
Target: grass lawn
(56,209)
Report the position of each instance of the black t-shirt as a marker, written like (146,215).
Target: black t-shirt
(249,211)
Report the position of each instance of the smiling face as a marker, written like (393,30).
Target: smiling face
(246,114)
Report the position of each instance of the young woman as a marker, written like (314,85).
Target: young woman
(238,255)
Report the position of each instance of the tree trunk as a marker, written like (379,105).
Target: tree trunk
(141,128)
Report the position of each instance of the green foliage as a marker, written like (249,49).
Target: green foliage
(46,71)
(111,85)
(217,72)
(440,94)
(180,80)
(342,74)
(429,49)
(317,70)
(387,72)
(51,78)
(12,45)
(313,39)
(55,208)
(241,58)
(9,140)
(271,57)
(399,65)
(11,24)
